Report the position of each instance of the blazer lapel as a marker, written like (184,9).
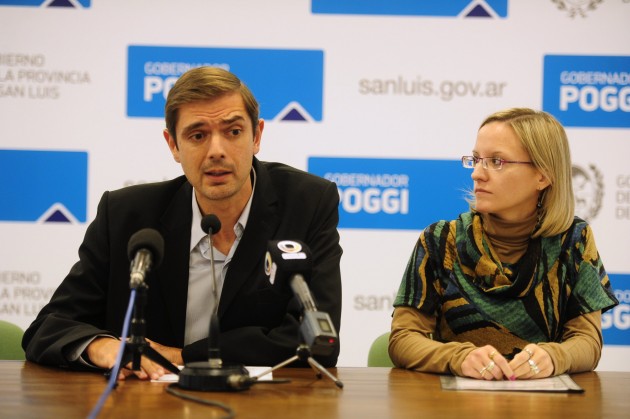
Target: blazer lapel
(262,224)
(173,275)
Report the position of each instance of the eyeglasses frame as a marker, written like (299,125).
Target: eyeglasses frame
(484,162)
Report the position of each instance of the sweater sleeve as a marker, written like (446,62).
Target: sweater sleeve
(411,346)
(581,346)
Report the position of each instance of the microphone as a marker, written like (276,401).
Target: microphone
(213,375)
(289,262)
(210,224)
(145,249)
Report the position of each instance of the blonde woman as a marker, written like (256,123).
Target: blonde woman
(514,288)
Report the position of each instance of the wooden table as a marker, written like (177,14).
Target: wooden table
(33,391)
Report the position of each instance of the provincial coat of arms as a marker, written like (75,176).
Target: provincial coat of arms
(577,7)
(588,190)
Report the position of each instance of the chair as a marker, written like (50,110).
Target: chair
(11,341)
(378,355)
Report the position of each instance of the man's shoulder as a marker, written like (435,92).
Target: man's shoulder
(288,176)
(149,193)
(152,187)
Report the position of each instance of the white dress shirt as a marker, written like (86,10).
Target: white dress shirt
(201,301)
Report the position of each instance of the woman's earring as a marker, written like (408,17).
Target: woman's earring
(539,209)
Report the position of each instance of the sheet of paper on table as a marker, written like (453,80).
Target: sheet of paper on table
(561,383)
(253,371)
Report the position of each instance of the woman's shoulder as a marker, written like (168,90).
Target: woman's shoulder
(438,227)
(578,236)
(579,228)
(464,219)
(444,231)
(577,221)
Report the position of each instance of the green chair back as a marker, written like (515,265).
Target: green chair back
(378,355)
(11,341)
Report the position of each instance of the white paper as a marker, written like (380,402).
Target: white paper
(561,383)
(173,378)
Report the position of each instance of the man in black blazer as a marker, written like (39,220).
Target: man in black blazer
(214,132)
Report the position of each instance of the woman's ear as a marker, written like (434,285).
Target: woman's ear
(543,181)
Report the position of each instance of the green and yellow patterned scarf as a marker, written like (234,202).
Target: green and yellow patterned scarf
(455,274)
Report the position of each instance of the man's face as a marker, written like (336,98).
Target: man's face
(215,146)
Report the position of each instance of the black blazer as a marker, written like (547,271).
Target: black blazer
(259,323)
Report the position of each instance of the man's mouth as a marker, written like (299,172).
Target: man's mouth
(217,171)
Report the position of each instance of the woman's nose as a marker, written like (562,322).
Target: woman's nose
(479,172)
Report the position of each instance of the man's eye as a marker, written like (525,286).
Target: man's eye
(496,161)
(196,136)
(235,132)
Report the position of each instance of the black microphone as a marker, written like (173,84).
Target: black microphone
(210,224)
(213,375)
(145,250)
(288,263)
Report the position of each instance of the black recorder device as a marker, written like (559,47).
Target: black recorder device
(288,263)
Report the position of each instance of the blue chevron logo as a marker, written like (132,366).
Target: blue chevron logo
(428,8)
(43,186)
(288,84)
(78,4)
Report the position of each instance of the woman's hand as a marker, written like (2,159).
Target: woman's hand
(532,362)
(488,364)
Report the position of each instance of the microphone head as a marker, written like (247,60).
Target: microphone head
(210,224)
(150,240)
(286,258)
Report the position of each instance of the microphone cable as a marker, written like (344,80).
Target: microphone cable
(173,389)
(114,372)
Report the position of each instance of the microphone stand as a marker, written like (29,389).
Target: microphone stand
(136,345)
(214,375)
(303,353)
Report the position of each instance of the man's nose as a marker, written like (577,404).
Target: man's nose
(215,147)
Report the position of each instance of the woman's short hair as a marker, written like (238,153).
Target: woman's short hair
(546,142)
(203,83)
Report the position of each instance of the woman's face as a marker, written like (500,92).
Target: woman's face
(510,193)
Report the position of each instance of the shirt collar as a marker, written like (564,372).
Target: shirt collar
(196,233)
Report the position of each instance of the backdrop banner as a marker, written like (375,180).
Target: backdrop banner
(382,97)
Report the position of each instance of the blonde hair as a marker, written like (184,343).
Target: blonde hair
(546,142)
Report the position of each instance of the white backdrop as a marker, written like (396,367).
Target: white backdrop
(64,87)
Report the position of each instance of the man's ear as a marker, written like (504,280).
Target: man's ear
(258,135)
(172,144)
